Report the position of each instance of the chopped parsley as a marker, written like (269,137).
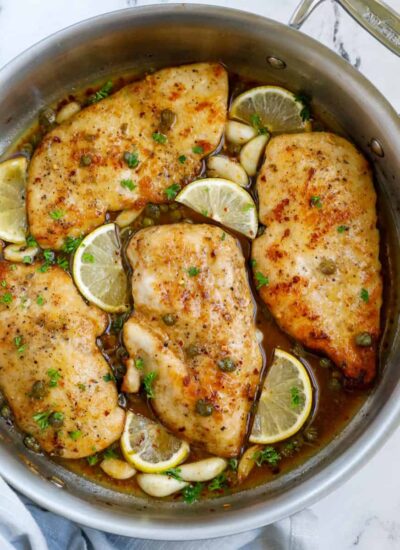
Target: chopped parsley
(6,298)
(117,323)
(172,191)
(182,159)
(261,279)
(148,383)
(253,262)
(104,91)
(223,236)
(82,387)
(159,138)
(75,435)
(31,241)
(56,214)
(268,455)
(247,207)
(88,258)
(109,377)
(296,399)
(219,482)
(19,344)
(342,228)
(316,201)
(109,453)
(27,260)
(233,464)
(198,149)
(174,472)
(93,459)
(42,419)
(71,244)
(63,262)
(131,159)
(54,376)
(3,283)
(128,184)
(192,492)
(256,122)
(305,100)
(193,271)
(204,213)
(139,363)
(364,295)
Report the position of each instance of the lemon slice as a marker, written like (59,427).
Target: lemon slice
(98,270)
(223,201)
(270,107)
(12,200)
(285,401)
(148,447)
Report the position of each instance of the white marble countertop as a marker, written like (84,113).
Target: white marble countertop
(365,512)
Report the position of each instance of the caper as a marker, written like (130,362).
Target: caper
(5,412)
(31,443)
(153,211)
(56,419)
(169,319)
(204,407)
(310,434)
(325,363)
(164,208)
(192,350)
(122,400)
(119,371)
(226,365)
(27,149)
(167,120)
(47,118)
(176,215)
(39,390)
(327,266)
(147,222)
(364,339)
(85,160)
(298,350)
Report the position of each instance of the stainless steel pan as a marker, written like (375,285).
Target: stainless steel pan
(267,51)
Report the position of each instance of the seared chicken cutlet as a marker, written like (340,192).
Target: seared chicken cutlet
(193,326)
(51,371)
(320,249)
(125,151)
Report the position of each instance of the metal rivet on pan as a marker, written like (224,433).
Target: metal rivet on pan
(276,63)
(376,147)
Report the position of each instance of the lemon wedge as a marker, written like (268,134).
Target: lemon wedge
(148,447)
(285,401)
(270,108)
(98,271)
(12,200)
(223,201)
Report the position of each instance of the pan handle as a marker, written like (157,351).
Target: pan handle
(377,18)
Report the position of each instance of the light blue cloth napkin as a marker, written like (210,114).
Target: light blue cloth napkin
(25,526)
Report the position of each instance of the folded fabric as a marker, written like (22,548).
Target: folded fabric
(26,526)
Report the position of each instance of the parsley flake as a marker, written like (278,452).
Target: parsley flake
(109,453)
(93,459)
(247,207)
(304,100)
(268,455)
(139,363)
(192,493)
(104,91)
(88,258)
(256,122)
(182,159)
(198,149)
(19,344)
(75,435)
(131,159)
(364,295)
(174,472)
(31,241)
(159,138)
(6,298)
(109,377)
(316,201)
(71,244)
(128,184)
(42,419)
(342,228)
(261,279)
(193,271)
(56,214)
(296,399)
(172,191)
(148,383)
(54,376)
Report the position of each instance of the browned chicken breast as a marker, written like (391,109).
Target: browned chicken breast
(193,326)
(51,371)
(125,151)
(320,248)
